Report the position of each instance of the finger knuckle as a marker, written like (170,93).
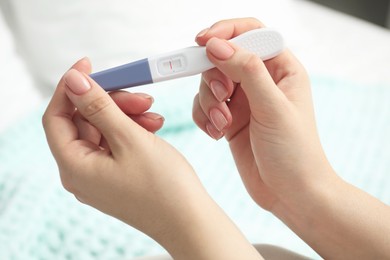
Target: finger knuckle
(196,111)
(44,120)
(196,119)
(80,199)
(220,23)
(255,22)
(195,105)
(67,183)
(96,106)
(251,64)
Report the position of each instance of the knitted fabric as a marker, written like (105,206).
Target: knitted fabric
(40,220)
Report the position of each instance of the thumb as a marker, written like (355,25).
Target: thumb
(250,71)
(95,105)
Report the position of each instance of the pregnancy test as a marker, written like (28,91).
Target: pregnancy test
(265,43)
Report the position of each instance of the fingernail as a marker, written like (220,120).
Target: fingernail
(218,90)
(146,96)
(213,132)
(154,116)
(85,59)
(201,33)
(76,82)
(220,49)
(218,119)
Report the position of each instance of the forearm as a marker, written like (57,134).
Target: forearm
(339,221)
(203,231)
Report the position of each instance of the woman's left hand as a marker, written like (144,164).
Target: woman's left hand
(109,158)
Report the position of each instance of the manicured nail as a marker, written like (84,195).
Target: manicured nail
(219,90)
(146,96)
(85,59)
(218,119)
(202,33)
(154,116)
(220,49)
(213,132)
(76,82)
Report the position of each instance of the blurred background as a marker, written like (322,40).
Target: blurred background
(344,45)
(377,12)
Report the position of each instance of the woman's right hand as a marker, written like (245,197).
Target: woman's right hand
(269,124)
(268,120)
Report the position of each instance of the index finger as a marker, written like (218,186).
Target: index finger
(281,66)
(227,29)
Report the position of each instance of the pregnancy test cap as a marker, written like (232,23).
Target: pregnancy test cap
(265,43)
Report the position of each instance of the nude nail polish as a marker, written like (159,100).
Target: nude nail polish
(218,119)
(220,49)
(76,82)
(219,90)
(213,132)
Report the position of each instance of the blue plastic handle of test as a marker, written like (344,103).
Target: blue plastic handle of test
(125,76)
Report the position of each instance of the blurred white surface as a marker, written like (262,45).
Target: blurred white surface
(18,93)
(50,36)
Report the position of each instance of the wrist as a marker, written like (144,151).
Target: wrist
(311,212)
(309,175)
(308,194)
(337,219)
(203,231)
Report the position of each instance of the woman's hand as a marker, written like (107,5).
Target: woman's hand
(109,158)
(264,109)
(107,154)
(269,124)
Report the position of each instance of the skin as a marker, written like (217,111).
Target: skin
(265,112)
(110,159)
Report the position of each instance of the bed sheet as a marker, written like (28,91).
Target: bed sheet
(40,220)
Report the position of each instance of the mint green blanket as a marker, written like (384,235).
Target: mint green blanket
(40,220)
